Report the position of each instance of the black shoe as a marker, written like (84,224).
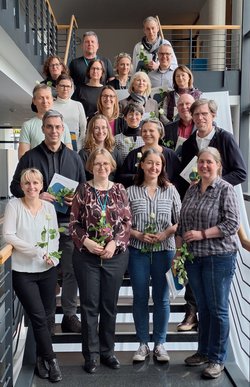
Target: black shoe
(71,324)
(190,322)
(110,361)
(90,366)
(54,371)
(41,368)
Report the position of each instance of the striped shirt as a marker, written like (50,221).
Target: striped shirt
(217,206)
(165,205)
(126,144)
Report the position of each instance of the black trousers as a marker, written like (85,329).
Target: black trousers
(99,283)
(191,306)
(36,292)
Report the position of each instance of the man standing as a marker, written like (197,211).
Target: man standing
(163,76)
(182,128)
(233,169)
(79,65)
(52,156)
(31,133)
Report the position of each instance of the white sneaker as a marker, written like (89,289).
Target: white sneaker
(142,352)
(160,353)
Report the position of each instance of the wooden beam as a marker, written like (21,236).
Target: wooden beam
(5,253)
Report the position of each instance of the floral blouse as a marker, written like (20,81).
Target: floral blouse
(86,212)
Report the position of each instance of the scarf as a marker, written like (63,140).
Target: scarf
(152,48)
(141,99)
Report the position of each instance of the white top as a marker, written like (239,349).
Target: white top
(74,116)
(31,133)
(23,230)
(137,49)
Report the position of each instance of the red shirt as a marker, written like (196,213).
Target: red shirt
(185,131)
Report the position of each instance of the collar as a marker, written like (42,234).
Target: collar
(49,151)
(208,137)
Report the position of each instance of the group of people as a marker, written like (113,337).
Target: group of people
(126,212)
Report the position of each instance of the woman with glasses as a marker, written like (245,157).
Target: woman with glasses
(123,69)
(99,136)
(107,104)
(52,69)
(100,228)
(152,131)
(88,93)
(72,111)
(139,93)
(183,84)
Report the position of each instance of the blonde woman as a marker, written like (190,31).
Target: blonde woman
(123,69)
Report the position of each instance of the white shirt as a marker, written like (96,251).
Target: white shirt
(203,142)
(23,230)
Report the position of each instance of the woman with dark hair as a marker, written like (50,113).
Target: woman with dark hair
(88,93)
(108,105)
(53,67)
(209,222)
(152,131)
(183,84)
(99,136)
(155,207)
(100,228)
(130,138)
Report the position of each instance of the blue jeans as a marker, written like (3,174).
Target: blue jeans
(140,270)
(210,278)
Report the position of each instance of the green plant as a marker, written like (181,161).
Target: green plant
(151,228)
(48,234)
(179,263)
(60,195)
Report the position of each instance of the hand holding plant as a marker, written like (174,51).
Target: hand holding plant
(179,263)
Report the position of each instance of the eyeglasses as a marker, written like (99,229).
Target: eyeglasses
(55,65)
(105,164)
(135,114)
(165,53)
(106,96)
(64,86)
(96,68)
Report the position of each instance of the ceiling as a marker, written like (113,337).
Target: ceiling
(15,99)
(96,14)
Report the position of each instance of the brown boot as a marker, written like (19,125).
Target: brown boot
(190,322)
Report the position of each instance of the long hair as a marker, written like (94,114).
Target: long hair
(186,70)
(116,104)
(90,142)
(46,65)
(163,181)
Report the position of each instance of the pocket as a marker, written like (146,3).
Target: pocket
(138,206)
(164,210)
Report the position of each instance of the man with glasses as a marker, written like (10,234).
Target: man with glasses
(78,66)
(72,111)
(49,157)
(31,132)
(163,76)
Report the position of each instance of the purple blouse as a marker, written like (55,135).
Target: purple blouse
(86,213)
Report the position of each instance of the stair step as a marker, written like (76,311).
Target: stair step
(125,333)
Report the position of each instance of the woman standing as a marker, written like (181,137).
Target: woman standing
(152,131)
(33,268)
(88,93)
(99,136)
(53,67)
(183,84)
(123,68)
(155,206)
(139,90)
(107,104)
(209,223)
(130,138)
(100,228)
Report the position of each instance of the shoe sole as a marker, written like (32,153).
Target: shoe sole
(162,359)
(186,328)
(209,376)
(140,358)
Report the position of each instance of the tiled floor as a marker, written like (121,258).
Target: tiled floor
(147,374)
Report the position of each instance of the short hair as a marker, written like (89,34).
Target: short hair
(133,107)
(96,152)
(89,33)
(215,154)
(51,113)
(167,45)
(186,70)
(143,75)
(212,105)
(162,180)
(119,57)
(90,142)
(26,175)
(156,121)
(41,86)
(150,19)
(64,77)
(91,64)
(46,65)
(116,104)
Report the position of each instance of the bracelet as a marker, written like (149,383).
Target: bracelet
(203,233)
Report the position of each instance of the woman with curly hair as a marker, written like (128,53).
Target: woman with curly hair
(99,135)
(53,67)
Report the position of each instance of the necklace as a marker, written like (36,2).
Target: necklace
(103,204)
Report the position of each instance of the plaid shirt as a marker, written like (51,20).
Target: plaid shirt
(217,206)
